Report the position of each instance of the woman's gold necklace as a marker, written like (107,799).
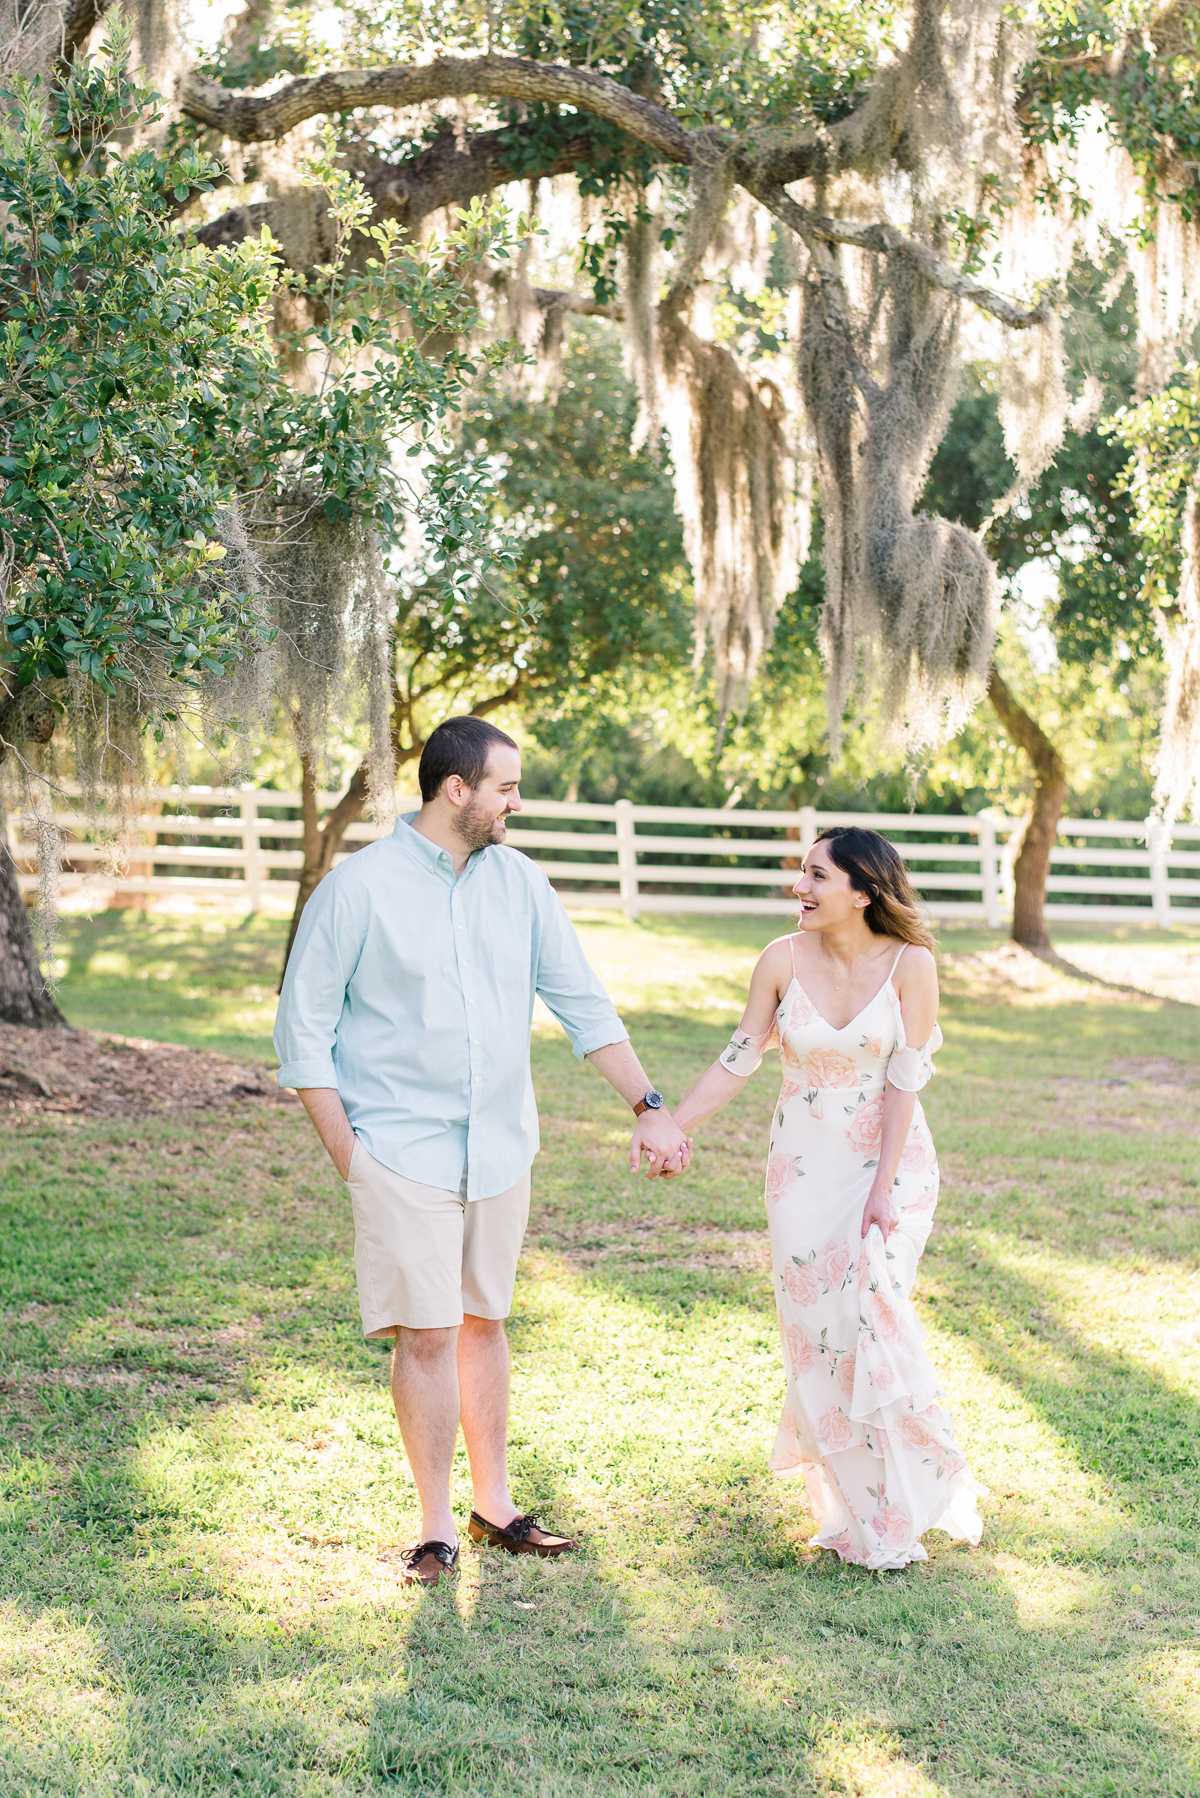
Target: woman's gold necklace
(853,970)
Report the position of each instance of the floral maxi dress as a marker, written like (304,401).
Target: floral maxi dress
(864,1419)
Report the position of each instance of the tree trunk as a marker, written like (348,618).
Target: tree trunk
(24,998)
(26,715)
(1049,791)
(321,841)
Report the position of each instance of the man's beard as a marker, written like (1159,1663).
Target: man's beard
(477,827)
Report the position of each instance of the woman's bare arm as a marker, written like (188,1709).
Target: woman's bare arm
(917,990)
(898,1111)
(717,1085)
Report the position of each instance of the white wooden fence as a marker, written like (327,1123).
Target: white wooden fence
(240,846)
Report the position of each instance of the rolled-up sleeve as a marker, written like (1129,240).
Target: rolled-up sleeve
(568,985)
(323,959)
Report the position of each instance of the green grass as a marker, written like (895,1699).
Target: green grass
(203,1494)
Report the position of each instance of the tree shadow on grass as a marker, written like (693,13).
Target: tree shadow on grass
(726,1658)
(1122,1420)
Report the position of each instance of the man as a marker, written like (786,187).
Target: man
(404,1025)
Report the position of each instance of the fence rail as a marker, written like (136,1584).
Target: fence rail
(235,844)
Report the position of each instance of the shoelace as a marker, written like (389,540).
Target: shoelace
(521,1527)
(441,1551)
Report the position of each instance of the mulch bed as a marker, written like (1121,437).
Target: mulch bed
(95,1075)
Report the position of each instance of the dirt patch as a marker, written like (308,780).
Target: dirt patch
(1168,970)
(1000,970)
(1158,1071)
(1079,971)
(95,1075)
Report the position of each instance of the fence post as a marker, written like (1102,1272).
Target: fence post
(987,869)
(1158,841)
(252,868)
(808,828)
(627,857)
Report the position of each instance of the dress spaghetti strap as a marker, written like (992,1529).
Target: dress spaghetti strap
(896,963)
(792,948)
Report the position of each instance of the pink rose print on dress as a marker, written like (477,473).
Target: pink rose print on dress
(866,1126)
(787,1424)
(884,1319)
(916,1435)
(833,1430)
(874,1047)
(799,1348)
(803,1010)
(844,1376)
(832,1264)
(916,1156)
(779,1172)
(828,1067)
(893,1527)
(800,1283)
(884,1379)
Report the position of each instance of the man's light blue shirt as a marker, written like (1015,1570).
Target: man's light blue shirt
(412,993)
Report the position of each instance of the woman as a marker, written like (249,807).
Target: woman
(852,1181)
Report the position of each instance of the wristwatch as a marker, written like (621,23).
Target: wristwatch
(650,1101)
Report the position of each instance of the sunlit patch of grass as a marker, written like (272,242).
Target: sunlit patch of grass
(56,1682)
(869,1763)
(209,981)
(202,1499)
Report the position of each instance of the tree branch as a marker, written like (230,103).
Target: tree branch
(442,175)
(885,239)
(256,118)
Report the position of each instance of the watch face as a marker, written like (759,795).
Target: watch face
(653,1101)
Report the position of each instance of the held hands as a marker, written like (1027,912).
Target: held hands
(658,1137)
(880,1210)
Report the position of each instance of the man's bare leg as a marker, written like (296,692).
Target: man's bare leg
(425,1394)
(483,1377)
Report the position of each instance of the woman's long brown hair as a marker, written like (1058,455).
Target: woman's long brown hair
(876,868)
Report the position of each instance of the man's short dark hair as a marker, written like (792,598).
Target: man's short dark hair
(458,746)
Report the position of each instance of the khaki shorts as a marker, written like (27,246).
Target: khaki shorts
(423,1256)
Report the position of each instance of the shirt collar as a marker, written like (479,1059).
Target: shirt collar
(427,853)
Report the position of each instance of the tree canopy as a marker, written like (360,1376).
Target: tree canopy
(914,160)
(805,226)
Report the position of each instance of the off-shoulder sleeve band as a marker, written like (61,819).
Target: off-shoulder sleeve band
(745,1052)
(911,1069)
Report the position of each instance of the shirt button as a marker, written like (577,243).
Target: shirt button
(475,1040)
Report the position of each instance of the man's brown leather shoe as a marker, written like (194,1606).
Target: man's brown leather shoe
(523,1536)
(425,1564)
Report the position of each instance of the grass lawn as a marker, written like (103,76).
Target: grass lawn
(201,1494)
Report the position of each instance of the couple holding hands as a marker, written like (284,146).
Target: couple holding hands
(404,1024)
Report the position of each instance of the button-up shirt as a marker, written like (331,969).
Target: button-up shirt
(412,993)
